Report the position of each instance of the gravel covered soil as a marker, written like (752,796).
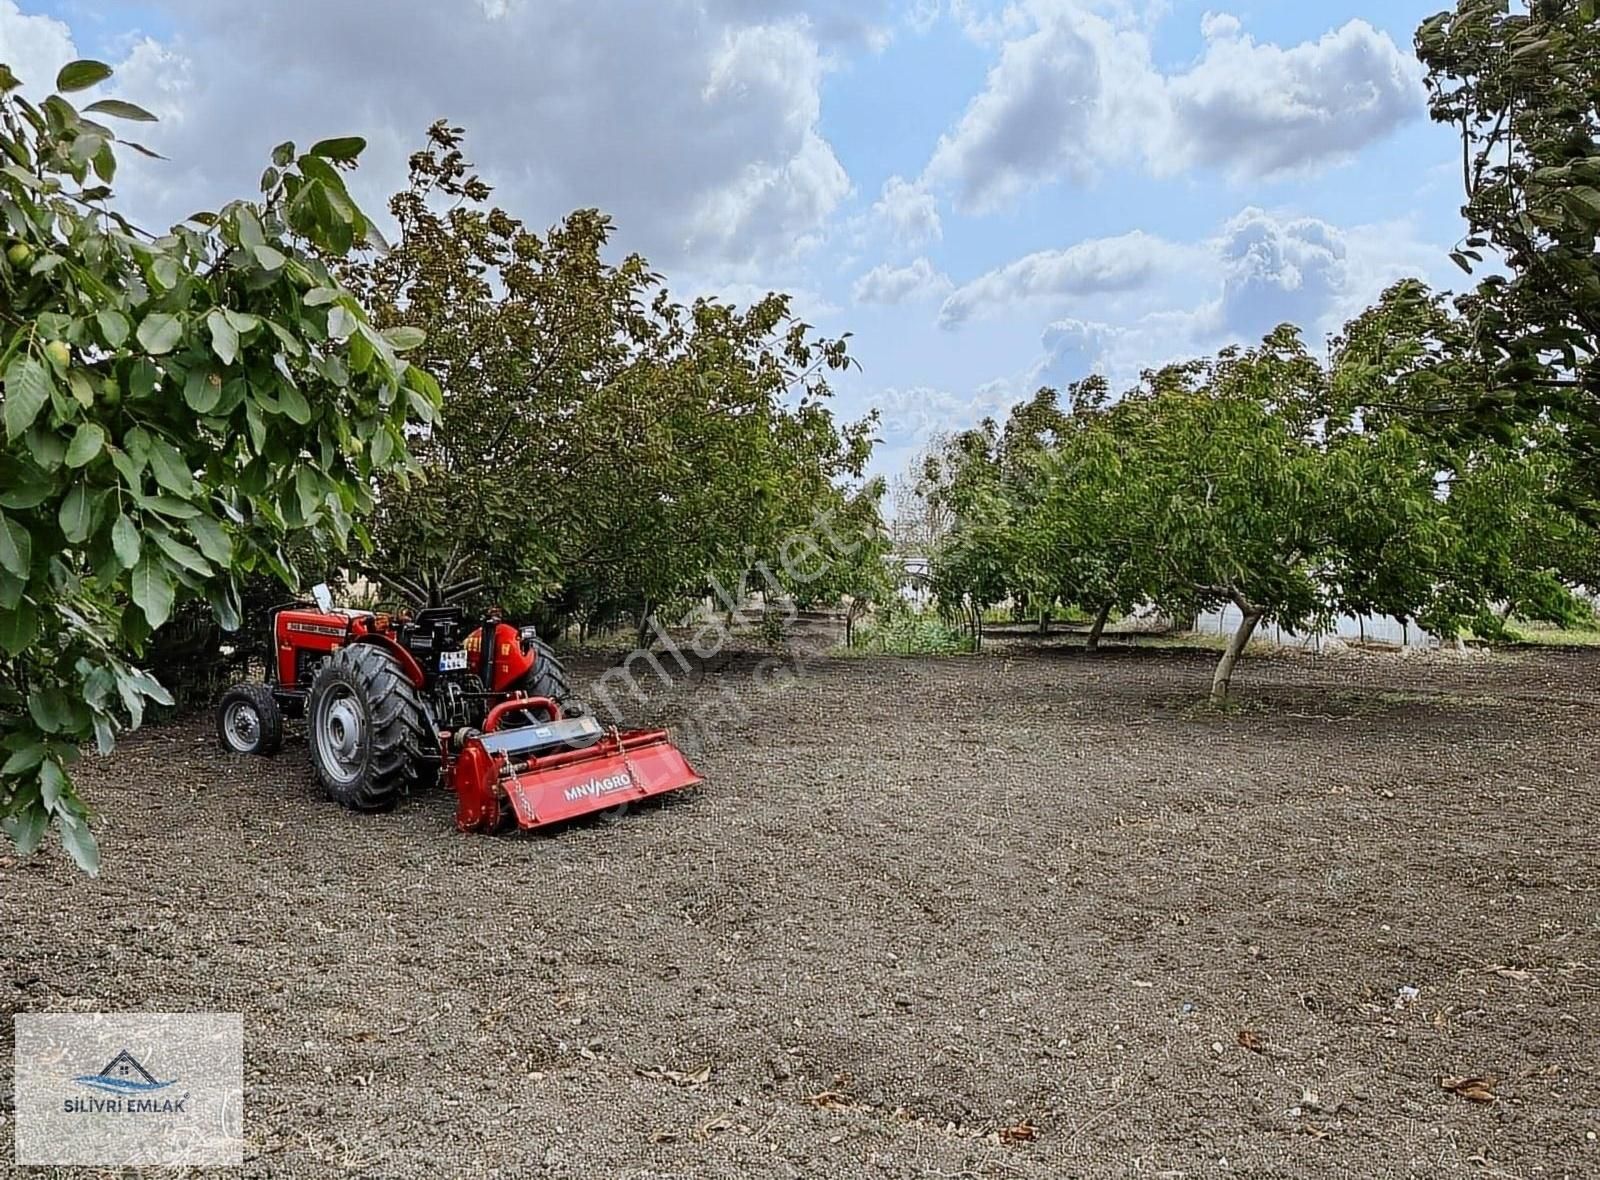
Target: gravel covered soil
(1027,914)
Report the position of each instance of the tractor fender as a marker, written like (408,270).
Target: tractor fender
(408,663)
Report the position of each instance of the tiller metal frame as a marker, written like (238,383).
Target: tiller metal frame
(557,770)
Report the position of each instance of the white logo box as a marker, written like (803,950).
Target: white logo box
(130,1088)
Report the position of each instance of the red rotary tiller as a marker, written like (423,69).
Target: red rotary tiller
(555,771)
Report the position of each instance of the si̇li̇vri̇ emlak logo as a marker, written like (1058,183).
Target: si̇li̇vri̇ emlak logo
(132,1084)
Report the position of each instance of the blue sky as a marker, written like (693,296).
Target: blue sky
(989,196)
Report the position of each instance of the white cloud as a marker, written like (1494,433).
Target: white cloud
(777,68)
(1277,271)
(695,123)
(908,416)
(1072,350)
(1075,90)
(1099,266)
(910,212)
(1056,104)
(901,284)
(1258,110)
(1216,26)
(35,47)
(1260,270)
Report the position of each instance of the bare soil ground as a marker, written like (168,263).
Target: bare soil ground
(1027,914)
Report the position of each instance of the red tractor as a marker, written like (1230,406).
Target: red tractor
(391,701)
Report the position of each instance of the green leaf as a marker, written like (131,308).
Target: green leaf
(16,548)
(85,445)
(165,271)
(224,339)
(224,607)
(169,468)
(27,829)
(309,490)
(269,258)
(27,495)
(118,109)
(1585,199)
(49,709)
(169,506)
(28,387)
(295,405)
(257,425)
(405,338)
(182,554)
(82,388)
(23,760)
(152,590)
(125,541)
(52,783)
(423,407)
(19,627)
(340,322)
(214,541)
(105,165)
(113,326)
(142,381)
(202,389)
(80,844)
(250,231)
(343,149)
(80,75)
(77,514)
(160,333)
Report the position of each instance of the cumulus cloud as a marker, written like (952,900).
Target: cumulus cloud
(1258,110)
(1259,270)
(1075,90)
(36,47)
(1099,266)
(1278,270)
(1073,349)
(800,181)
(909,211)
(695,124)
(901,284)
(916,414)
(1055,105)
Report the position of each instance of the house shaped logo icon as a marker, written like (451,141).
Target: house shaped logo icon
(122,1075)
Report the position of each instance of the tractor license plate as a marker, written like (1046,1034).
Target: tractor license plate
(453,661)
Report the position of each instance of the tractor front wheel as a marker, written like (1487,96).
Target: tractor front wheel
(367,728)
(249,721)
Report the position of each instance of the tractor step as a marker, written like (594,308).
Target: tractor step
(533,776)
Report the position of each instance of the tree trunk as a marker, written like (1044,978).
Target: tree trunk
(1222,681)
(1044,622)
(646,632)
(1099,628)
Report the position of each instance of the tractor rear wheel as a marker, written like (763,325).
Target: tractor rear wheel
(367,728)
(249,720)
(548,678)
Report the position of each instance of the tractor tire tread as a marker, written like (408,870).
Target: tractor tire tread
(548,676)
(260,698)
(396,727)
